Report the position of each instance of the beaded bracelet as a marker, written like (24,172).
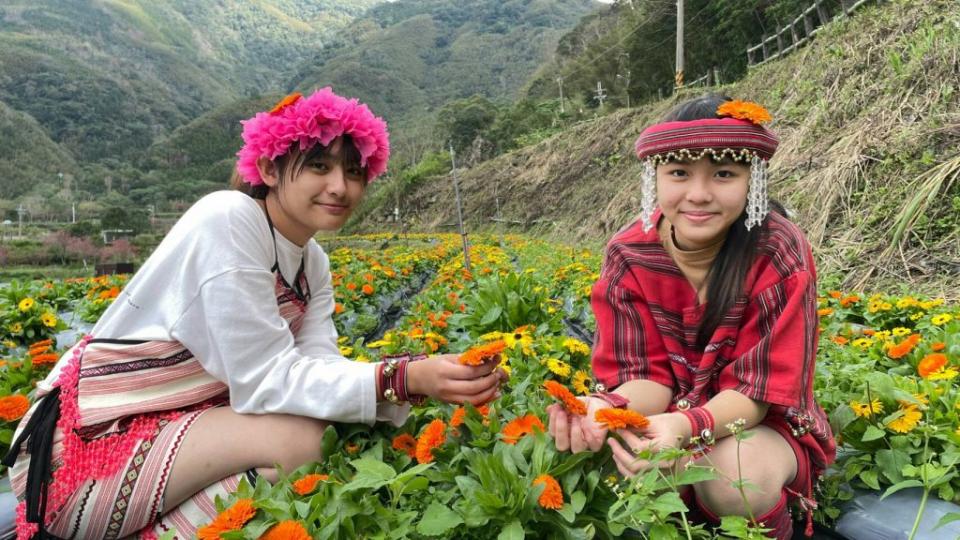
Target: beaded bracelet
(392,374)
(701,425)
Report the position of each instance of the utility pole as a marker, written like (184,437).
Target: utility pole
(626,86)
(600,94)
(560,83)
(456,188)
(20,211)
(678,78)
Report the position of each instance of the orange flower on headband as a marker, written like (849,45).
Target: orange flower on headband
(286,102)
(745,110)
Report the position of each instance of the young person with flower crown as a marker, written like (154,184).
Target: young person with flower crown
(219,359)
(706,321)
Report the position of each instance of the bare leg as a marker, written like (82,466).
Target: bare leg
(222,442)
(768,463)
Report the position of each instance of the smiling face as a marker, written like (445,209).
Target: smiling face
(318,191)
(702,199)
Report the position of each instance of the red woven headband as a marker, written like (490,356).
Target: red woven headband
(740,140)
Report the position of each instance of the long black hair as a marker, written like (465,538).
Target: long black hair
(727,274)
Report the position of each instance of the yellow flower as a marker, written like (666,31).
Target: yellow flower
(346,351)
(492,336)
(361,358)
(581,382)
(900,331)
(576,346)
(522,336)
(377,344)
(48,319)
(341,340)
(16,328)
(865,409)
(558,367)
(947,373)
(941,319)
(917,316)
(26,304)
(863,343)
(907,421)
(905,302)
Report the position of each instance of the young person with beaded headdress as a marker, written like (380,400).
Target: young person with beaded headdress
(706,315)
(219,359)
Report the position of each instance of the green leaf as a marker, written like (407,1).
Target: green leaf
(567,513)
(513,531)
(948,518)
(492,314)
(303,509)
(438,519)
(328,444)
(870,478)
(371,474)
(873,433)
(891,463)
(577,500)
(902,485)
(668,503)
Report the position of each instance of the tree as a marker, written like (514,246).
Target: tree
(462,121)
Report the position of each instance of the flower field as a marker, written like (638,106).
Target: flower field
(886,376)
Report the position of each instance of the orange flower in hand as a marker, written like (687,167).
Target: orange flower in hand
(620,419)
(476,356)
(565,396)
(552,496)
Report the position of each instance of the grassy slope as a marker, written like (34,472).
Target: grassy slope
(868,117)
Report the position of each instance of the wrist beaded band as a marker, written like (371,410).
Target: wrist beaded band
(701,425)
(392,375)
(615,400)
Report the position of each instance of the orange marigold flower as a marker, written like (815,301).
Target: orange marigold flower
(836,294)
(904,347)
(368,277)
(839,340)
(869,332)
(405,443)
(621,418)
(45,343)
(938,346)
(352,286)
(744,110)
(13,407)
(931,363)
(847,300)
(351,448)
(521,426)
(460,414)
(286,102)
(287,530)
(565,396)
(231,519)
(475,356)
(308,483)
(367,289)
(44,359)
(823,312)
(552,496)
(338,308)
(434,435)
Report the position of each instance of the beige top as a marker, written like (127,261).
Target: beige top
(695,264)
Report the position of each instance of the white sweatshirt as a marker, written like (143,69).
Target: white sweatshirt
(209,286)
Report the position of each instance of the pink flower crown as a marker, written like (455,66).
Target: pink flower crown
(319,118)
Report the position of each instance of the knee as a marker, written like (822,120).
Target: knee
(723,498)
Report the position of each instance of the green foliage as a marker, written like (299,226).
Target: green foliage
(462,121)
(505,303)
